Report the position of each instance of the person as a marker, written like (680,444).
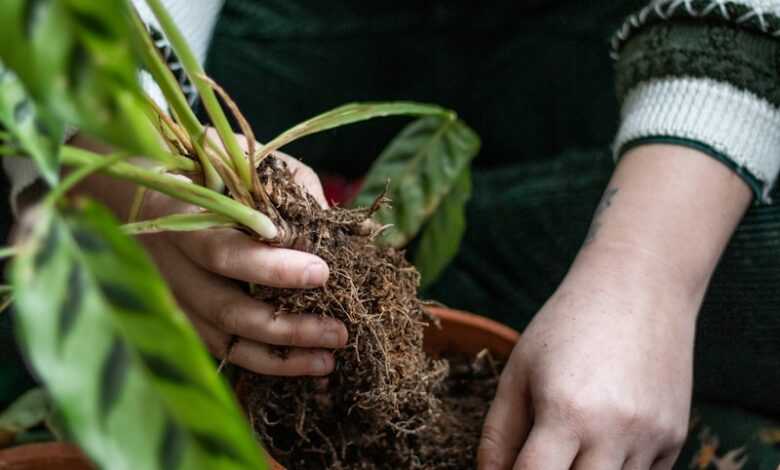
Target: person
(603,375)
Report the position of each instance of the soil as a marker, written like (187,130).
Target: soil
(388,404)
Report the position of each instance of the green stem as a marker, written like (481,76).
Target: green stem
(209,99)
(179,223)
(7,150)
(180,163)
(7,252)
(78,175)
(178,189)
(175,99)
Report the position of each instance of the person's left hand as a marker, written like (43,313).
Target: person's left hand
(600,380)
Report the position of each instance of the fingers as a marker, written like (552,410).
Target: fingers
(233,254)
(228,309)
(639,462)
(666,462)
(251,319)
(262,359)
(507,423)
(549,449)
(599,458)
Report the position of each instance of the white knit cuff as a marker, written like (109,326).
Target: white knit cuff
(737,124)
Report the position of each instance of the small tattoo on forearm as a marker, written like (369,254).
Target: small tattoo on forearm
(604,204)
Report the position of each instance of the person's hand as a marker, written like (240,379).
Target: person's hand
(600,380)
(206,271)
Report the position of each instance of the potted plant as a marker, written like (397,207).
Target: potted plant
(130,381)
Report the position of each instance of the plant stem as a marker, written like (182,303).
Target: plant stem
(195,72)
(78,175)
(178,189)
(179,223)
(7,252)
(175,98)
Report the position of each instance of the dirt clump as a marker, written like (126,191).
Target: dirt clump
(388,404)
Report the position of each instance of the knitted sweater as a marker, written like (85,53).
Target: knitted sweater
(703,73)
(699,73)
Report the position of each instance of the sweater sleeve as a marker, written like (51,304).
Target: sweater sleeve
(704,74)
(195,18)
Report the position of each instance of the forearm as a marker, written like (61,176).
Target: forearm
(665,219)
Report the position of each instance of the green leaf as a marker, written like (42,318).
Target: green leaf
(132,381)
(179,223)
(34,134)
(76,60)
(350,114)
(28,411)
(419,168)
(441,236)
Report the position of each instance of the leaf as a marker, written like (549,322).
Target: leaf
(350,114)
(179,223)
(35,135)
(76,60)
(129,375)
(28,411)
(421,165)
(441,237)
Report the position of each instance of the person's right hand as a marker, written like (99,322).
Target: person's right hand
(205,271)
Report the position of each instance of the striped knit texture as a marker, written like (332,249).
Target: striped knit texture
(734,122)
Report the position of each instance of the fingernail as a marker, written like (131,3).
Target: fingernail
(315,275)
(331,339)
(320,365)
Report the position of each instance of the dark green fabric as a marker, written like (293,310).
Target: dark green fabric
(14,378)
(746,59)
(512,70)
(758,20)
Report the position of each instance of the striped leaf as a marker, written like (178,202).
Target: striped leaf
(421,165)
(77,62)
(34,134)
(442,234)
(129,375)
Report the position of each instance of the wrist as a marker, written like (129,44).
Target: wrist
(640,275)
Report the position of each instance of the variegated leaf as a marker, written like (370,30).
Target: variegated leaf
(135,387)
(76,60)
(421,165)
(442,234)
(34,134)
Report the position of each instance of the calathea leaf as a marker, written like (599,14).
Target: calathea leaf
(76,60)
(28,411)
(441,236)
(34,134)
(419,168)
(126,371)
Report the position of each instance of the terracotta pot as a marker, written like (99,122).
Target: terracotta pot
(48,456)
(460,332)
